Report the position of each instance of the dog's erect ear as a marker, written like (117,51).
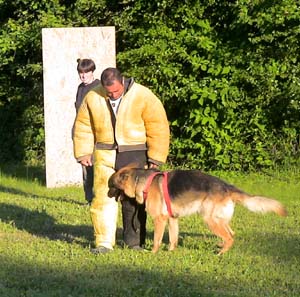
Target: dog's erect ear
(123,177)
(127,180)
(117,180)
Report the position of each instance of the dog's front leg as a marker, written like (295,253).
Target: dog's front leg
(173,233)
(159,228)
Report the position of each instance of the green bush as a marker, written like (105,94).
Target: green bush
(228,75)
(227,72)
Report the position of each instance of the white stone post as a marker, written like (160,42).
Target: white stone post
(61,49)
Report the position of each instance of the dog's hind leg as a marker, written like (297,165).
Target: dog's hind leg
(230,230)
(159,228)
(221,228)
(173,233)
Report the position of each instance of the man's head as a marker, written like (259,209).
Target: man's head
(113,82)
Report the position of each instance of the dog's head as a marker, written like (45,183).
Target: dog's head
(131,181)
(123,180)
(116,182)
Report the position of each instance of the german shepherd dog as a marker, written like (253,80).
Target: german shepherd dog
(187,192)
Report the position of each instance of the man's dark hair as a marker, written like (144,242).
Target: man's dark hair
(85,65)
(110,75)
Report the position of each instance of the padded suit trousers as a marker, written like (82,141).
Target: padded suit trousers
(104,210)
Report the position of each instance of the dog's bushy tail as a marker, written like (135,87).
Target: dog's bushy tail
(261,204)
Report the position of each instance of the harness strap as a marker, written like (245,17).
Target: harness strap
(165,189)
(148,184)
(166,193)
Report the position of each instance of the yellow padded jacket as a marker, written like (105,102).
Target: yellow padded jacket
(141,123)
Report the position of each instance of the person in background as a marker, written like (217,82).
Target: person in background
(85,69)
(126,123)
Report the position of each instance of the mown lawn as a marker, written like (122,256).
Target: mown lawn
(45,236)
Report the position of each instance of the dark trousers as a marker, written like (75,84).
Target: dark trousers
(88,182)
(133,214)
(134,222)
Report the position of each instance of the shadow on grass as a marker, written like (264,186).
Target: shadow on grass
(28,173)
(184,237)
(102,280)
(41,224)
(102,276)
(16,191)
(278,246)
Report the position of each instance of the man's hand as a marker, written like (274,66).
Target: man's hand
(86,161)
(153,166)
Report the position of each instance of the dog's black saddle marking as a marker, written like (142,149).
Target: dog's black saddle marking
(181,181)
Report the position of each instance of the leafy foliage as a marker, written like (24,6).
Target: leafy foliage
(227,72)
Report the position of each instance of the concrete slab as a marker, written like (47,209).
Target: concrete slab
(61,49)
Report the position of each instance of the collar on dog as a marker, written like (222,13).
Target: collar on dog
(165,189)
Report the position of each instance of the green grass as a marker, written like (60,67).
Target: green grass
(45,236)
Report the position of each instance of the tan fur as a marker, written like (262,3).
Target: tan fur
(216,206)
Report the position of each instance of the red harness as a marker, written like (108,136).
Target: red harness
(165,189)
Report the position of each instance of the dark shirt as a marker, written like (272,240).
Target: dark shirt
(83,90)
